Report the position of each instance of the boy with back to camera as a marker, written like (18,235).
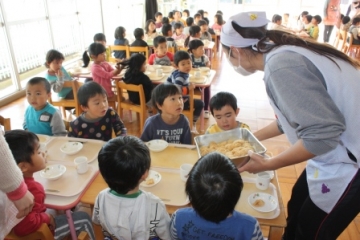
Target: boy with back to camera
(169,124)
(223,107)
(25,148)
(181,77)
(41,117)
(123,210)
(139,38)
(214,187)
(98,120)
(161,55)
(167,33)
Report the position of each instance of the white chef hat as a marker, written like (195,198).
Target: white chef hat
(229,37)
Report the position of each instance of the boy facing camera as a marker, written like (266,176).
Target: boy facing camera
(214,187)
(123,210)
(223,107)
(161,55)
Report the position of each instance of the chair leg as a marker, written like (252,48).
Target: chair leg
(141,121)
(63,112)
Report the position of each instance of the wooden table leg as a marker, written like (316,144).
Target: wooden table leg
(275,233)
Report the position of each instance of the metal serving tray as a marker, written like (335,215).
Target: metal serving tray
(235,134)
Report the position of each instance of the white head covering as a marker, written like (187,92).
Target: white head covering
(229,37)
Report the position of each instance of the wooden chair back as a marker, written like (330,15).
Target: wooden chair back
(5,122)
(171,49)
(118,48)
(144,50)
(348,47)
(127,104)
(190,113)
(340,40)
(214,38)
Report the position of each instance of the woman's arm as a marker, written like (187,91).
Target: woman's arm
(271,130)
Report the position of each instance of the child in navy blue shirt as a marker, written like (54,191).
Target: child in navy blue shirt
(121,41)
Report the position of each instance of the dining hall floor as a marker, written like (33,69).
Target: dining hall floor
(255,111)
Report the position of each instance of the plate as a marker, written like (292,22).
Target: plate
(153,77)
(153,179)
(71,148)
(204,69)
(53,172)
(201,79)
(167,69)
(157,145)
(262,202)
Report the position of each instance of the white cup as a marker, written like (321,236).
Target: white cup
(81,164)
(262,180)
(159,72)
(197,73)
(184,171)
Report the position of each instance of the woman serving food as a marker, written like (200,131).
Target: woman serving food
(314,90)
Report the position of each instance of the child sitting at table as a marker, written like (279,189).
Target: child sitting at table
(98,38)
(205,35)
(139,36)
(123,210)
(161,55)
(150,30)
(41,117)
(158,19)
(189,23)
(195,33)
(24,146)
(223,106)
(167,33)
(98,120)
(120,40)
(180,77)
(178,32)
(214,187)
(169,124)
(102,71)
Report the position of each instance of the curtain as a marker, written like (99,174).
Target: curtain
(151,8)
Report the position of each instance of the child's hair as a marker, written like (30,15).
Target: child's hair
(187,12)
(22,144)
(345,20)
(178,26)
(179,56)
(96,49)
(158,14)
(309,18)
(197,15)
(276,18)
(122,163)
(162,91)
(147,26)
(286,14)
(201,12)
(202,22)
(40,80)
(318,19)
(158,40)
(119,33)
(194,44)
(134,63)
(219,19)
(221,99)
(219,12)
(189,21)
(171,14)
(355,20)
(138,33)
(52,55)
(89,90)
(214,187)
(165,29)
(99,37)
(165,20)
(193,30)
(206,20)
(304,13)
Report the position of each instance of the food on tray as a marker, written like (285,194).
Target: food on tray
(258,203)
(150,181)
(230,148)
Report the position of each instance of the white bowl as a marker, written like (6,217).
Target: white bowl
(53,172)
(267,202)
(157,145)
(157,66)
(71,148)
(204,69)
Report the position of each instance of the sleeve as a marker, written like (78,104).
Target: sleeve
(72,130)
(162,229)
(95,215)
(148,86)
(179,80)
(146,135)
(151,59)
(99,72)
(315,33)
(11,179)
(173,231)
(58,84)
(117,124)
(31,223)
(303,99)
(57,125)
(206,59)
(187,132)
(24,123)
(170,56)
(257,234)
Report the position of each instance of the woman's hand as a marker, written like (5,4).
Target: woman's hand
(24,205)
(257,163)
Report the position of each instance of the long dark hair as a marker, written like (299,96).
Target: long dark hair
(134,63)
(193,30)
(147,26)
(280,38)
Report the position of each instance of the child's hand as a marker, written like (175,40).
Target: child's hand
(192,86)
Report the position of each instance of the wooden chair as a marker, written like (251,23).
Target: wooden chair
(349,47)
(340,39)
(190,113)
(6,123)
(68,102)
(141,109)
(118,48)
(43,233)
(144,50)
(214,38)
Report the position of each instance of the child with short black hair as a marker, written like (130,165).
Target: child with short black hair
(102,71)
(41,117)
(25,148)
(98,120)
(177,19)
(205,35)
(167,33)
(195,33)
(120,40)
(314,29)
(197,17)
(158,19)
(161,55)
(214,187)
(123,210)
(165,20)
(139,36)
(180,77)
(189,23)
(178,32)
(223,106)
(169,124)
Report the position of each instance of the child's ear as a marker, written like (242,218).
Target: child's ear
(144,176)
(237,111)
(23,166)
(84,108)
(49,95)
(158,106)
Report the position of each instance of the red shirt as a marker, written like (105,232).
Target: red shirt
(37,216)
(102,74)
